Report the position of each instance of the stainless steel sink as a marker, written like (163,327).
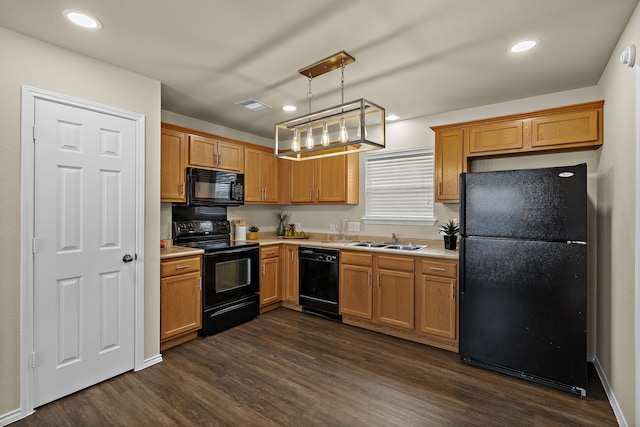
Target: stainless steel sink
(368,244)
(396,246)
(405,247)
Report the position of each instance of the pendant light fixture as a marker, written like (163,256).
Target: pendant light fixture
(361,118)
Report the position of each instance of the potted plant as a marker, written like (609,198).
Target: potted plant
(253,233)
(450,229)
(281,217)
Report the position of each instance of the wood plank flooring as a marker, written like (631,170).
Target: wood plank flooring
(294,369)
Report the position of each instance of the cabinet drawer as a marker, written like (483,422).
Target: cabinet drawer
(269,252)
(439,268)
(396,263)
(176,266)
(356,258)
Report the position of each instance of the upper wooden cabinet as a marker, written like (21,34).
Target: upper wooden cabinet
(173,161)
(570,128)
(261,176)
(215,154)
(326,180)
(448,164)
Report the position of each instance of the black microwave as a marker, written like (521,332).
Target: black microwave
(214,188)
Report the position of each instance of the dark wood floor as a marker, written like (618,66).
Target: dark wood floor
(293,369)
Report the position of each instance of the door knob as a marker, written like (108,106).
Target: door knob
(127,258)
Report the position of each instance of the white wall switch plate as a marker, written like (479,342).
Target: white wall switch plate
(354,226)
(332,227)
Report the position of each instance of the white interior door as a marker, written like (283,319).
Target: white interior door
(84,227)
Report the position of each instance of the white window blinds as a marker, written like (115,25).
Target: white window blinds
(399,187)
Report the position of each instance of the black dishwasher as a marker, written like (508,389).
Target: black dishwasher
(319,276)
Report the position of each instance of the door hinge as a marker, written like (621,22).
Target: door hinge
(37,132)
(35,245)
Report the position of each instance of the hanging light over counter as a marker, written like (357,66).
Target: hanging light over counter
(346,128)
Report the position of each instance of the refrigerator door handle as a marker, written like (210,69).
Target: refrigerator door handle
(576,242)
(461,260)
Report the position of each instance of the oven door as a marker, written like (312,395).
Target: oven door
(214,188)
(230,275)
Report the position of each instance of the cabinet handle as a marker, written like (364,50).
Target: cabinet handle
(180,267)
(368,278)
(310,193)
(264,194)
(263,269)
(318,194)
(271,253)
(292,259)
(200,283)
(437,269)
(453,291)
(439,189)
(378,280)
(182,188)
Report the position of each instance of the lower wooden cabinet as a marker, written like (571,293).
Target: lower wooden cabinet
(414,298)
(394,291)
(379,288)
(290,274)
(180,300)
(356,292)
(436,292)
(270,290)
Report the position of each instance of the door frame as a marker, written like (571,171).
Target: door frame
(27,203)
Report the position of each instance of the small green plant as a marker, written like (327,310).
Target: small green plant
(450,228)
(253,229)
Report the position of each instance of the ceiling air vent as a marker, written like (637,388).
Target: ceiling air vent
(253,105)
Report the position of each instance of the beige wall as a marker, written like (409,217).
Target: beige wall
(616,211)
(31,62)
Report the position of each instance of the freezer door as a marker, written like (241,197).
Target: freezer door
(523,309)
(534,204)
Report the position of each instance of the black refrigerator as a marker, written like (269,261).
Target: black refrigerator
(523,274)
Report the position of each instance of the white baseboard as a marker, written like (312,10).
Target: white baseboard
(11,417)
(151,361)
(622,422)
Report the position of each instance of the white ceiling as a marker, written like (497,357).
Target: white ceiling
(413,57)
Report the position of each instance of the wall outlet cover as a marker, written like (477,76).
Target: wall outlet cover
(354,226)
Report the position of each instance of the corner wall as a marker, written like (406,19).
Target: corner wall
(31,62)
(616,213)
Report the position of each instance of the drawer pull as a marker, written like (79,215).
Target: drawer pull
(437,269)
(180,267)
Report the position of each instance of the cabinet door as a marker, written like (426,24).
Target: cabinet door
(230,156)
(202,151)
(330,179)
(269,286)
(302,185)
(180,305)
(173,161)
(356,293)
(395,298)
(269,176)
(448,165)
(496,138)
(565,129)
(290,273)
(253,176)
(437,306)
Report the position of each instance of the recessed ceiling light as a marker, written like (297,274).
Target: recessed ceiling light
(523,46)
(289,108)
(392,117)
(82,19)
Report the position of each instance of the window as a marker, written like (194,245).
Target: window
(399,187)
